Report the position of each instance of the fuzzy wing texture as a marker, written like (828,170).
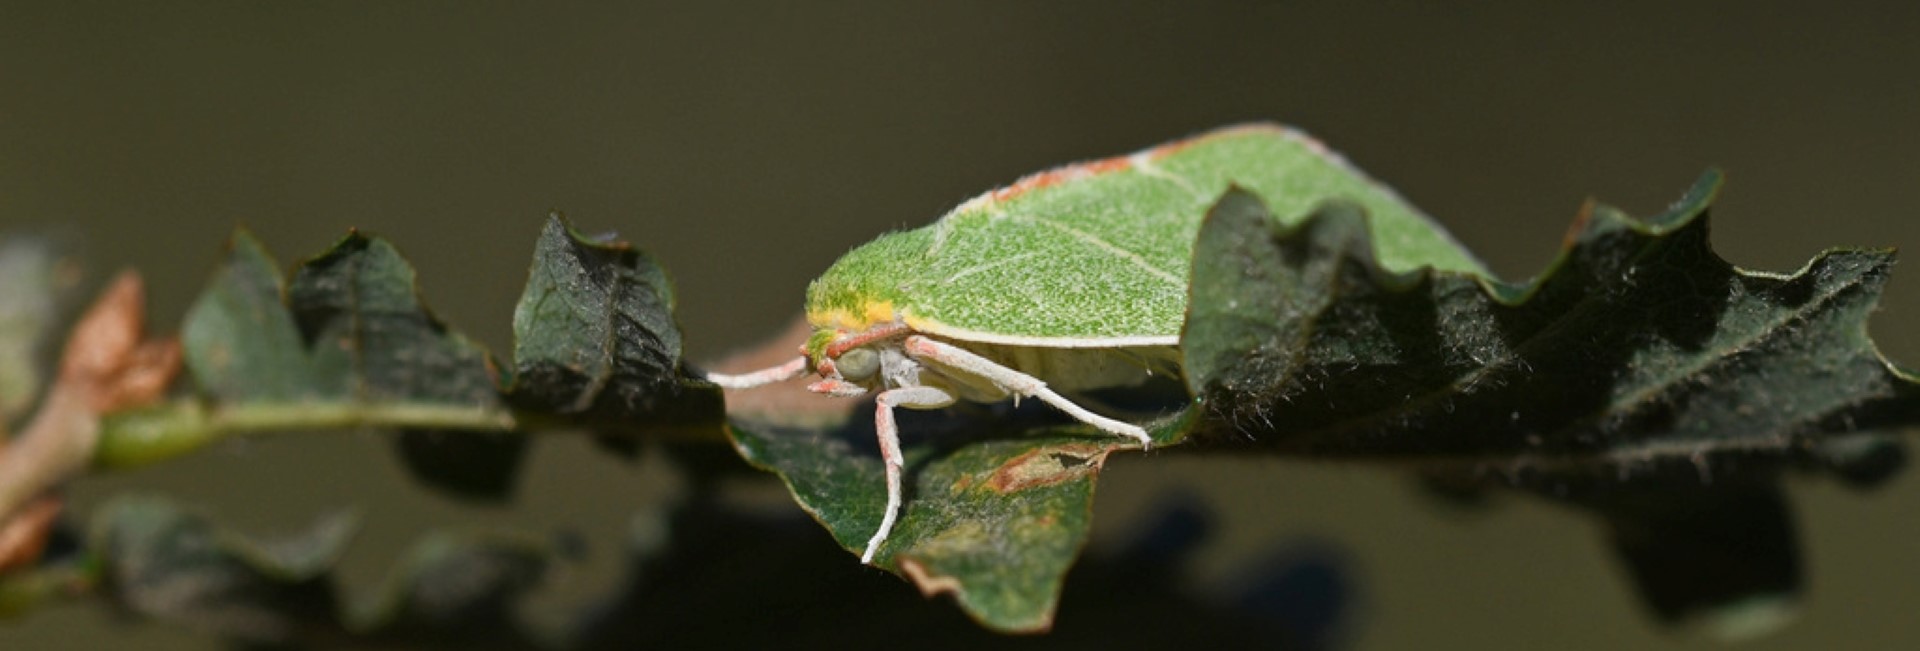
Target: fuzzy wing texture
(1098,253)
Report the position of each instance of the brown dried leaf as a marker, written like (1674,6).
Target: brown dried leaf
(109,360)
(24,536)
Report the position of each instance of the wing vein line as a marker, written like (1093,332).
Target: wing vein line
(1109,247)
(983,267)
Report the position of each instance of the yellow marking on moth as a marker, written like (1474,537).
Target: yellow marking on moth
(871,314)
(920,324)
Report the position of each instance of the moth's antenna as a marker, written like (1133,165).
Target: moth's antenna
(790,370)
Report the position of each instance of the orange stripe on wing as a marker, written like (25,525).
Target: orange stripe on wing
(1062,174)
(1077,171)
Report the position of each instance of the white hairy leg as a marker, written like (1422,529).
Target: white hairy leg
(889,434)
(790,370)
(1016,383)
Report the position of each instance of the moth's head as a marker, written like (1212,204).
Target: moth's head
(851,363)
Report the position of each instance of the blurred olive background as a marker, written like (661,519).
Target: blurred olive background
(748,144)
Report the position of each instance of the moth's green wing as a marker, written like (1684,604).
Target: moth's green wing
(1294,174)
(1097,254)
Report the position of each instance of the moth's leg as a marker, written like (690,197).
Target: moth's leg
(889,433)
(1016,383)
(790,370)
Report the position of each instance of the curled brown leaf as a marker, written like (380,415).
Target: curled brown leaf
(24,535)
(109,364)
(109,359)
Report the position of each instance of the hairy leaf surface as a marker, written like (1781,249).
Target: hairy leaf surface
(1640,377)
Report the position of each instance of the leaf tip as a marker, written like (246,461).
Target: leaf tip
(929,583)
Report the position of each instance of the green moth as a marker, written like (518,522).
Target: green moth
(1073,279)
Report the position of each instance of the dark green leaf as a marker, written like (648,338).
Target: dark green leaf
(1641,377)
(370,339)
(164,562)
(455,587)
(349,334)
(595,340)
(169,563)
(1638,346)
(347,344)
(240,341)
(996,509)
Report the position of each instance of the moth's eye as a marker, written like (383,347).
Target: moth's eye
(858,364)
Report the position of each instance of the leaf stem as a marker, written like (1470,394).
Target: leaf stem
(148,435)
